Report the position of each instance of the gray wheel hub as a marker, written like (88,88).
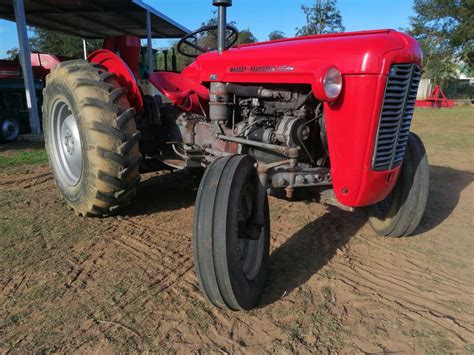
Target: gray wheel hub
(250,250)
(67,145)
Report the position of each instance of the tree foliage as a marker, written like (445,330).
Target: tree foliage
(209,40)
(52,42)
(445,31)
(274,35)
(246,36)
(322,17)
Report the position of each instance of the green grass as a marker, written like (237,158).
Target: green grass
(446,128)
(24,157)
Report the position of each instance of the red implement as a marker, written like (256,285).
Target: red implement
(436,99)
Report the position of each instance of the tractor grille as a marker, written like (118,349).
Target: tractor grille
(396,115)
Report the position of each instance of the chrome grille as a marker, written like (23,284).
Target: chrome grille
(396,115)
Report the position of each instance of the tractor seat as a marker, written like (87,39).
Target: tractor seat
(179,88)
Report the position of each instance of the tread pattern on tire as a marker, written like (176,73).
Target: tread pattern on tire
(112,138)
(210,254)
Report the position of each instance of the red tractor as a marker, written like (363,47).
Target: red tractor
(13,106)
(327,114)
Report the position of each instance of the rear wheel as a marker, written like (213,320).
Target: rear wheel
(91,138)
(231,249)
(9,129)
(400,213)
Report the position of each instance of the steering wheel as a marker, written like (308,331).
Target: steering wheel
(230,40)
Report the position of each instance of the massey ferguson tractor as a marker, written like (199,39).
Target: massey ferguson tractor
(328,114)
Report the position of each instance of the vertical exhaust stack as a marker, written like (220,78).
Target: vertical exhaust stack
(221,22)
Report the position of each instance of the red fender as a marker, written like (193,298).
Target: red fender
(117,66)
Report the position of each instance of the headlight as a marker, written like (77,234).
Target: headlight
(328,84)
(332,83)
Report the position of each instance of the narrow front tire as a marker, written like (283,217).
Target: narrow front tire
(230,244)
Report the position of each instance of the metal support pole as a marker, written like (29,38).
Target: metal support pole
(25,61)
(84,47)
(149,51)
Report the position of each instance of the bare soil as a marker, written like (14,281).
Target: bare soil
(126,283)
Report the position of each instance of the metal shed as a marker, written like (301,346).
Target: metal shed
(84,19)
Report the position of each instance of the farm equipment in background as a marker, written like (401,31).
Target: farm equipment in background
(13,108)
(328,114)
(436,99)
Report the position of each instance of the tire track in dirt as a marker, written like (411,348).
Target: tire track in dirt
(163,255)
(170,256)
(410,256)
(379,278)
(19,181)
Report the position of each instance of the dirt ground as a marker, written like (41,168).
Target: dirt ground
(122,284)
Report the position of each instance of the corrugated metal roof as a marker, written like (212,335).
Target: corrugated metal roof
(95,19)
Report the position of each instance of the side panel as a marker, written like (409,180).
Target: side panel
(351,124)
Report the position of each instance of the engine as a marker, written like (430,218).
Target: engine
(283,116)
(266,117)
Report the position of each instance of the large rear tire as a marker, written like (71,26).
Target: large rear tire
(400,213)
(91,138)
(231,251)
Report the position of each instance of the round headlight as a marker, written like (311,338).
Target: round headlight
(332,83)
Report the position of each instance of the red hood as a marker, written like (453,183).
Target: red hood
(368,52)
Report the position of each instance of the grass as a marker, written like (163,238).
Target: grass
(446,132)
(23,157)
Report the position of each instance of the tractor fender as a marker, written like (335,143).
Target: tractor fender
(125,77)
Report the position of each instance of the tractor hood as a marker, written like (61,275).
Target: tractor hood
(297,60)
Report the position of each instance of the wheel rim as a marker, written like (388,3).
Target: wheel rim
(10,129)
(67,143)
(250,249)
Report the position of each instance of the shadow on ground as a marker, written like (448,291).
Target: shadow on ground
(304,253)
(446,185)
(308,250)
(165,192)
(6,147)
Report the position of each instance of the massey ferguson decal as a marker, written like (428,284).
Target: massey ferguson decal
(262,69)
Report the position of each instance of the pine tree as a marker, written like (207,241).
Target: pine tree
(322,17)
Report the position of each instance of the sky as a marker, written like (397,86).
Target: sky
(264,16)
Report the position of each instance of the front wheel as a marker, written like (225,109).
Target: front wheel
(230,242)
(400,213)
(9,129)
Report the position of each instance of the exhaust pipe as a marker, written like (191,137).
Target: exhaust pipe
(221,22)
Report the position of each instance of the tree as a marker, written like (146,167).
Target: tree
(210,38)
(274,35)
(322,17)
(57,43)
(13,52)
(62,44)
(445,32)
(246,36)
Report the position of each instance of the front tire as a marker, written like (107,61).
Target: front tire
(400,213)
(91,138)
(231,251)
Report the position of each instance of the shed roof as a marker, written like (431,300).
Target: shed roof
(95,19)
